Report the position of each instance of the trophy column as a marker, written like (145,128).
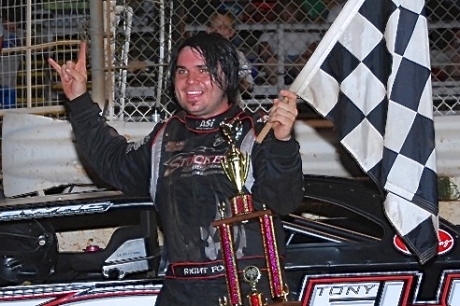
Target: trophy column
(236,168)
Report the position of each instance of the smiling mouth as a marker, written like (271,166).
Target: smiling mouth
(194,92)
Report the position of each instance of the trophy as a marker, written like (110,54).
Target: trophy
(236,167)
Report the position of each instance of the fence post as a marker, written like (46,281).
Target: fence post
(97,52)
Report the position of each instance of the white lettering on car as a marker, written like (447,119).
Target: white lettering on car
(383,289)
(54,211)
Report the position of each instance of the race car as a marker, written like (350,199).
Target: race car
(349,254)
(341,250)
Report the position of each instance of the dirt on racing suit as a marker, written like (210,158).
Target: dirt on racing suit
(179,165)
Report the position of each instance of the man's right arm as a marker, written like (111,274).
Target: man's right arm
(125,166)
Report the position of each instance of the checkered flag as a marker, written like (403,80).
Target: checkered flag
(370,75)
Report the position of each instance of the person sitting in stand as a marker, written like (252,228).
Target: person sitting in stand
(333,9)
(445,58)
(10,34)
(2,31)
(316,10)
(223,22)
(297,47)
(455,67)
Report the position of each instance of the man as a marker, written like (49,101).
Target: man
(179,164)
(223,22)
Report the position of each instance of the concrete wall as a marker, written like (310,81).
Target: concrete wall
(38,153)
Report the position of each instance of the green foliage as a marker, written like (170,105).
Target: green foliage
(447,190)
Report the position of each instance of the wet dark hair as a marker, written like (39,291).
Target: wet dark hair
(218,52)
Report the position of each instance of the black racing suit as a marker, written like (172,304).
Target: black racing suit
(179,165)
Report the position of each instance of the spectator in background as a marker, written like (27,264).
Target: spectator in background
(333,9)
(259,12)
(316,10)
(8,65)
(2,33)
(454,47)
(233,7)
(296,46)
(223,22)
(10,34)
(445,55)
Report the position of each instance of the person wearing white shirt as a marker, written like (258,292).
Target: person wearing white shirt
(334,8)
(223,22)
(1,36)
(296,47)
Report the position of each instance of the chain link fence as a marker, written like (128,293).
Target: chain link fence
(275,37)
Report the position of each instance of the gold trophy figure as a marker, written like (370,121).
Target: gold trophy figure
(236,165)
(236,168)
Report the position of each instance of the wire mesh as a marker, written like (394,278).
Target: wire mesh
(275,37)
(32,34)
(134,38)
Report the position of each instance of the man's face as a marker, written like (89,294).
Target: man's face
(195,89)
(223,25)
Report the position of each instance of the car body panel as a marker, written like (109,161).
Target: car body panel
(340,250)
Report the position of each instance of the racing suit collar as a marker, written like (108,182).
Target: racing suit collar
(209,124)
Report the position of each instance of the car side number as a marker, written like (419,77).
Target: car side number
(371,290)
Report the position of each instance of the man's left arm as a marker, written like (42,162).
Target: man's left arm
(278,175)
(277,163)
